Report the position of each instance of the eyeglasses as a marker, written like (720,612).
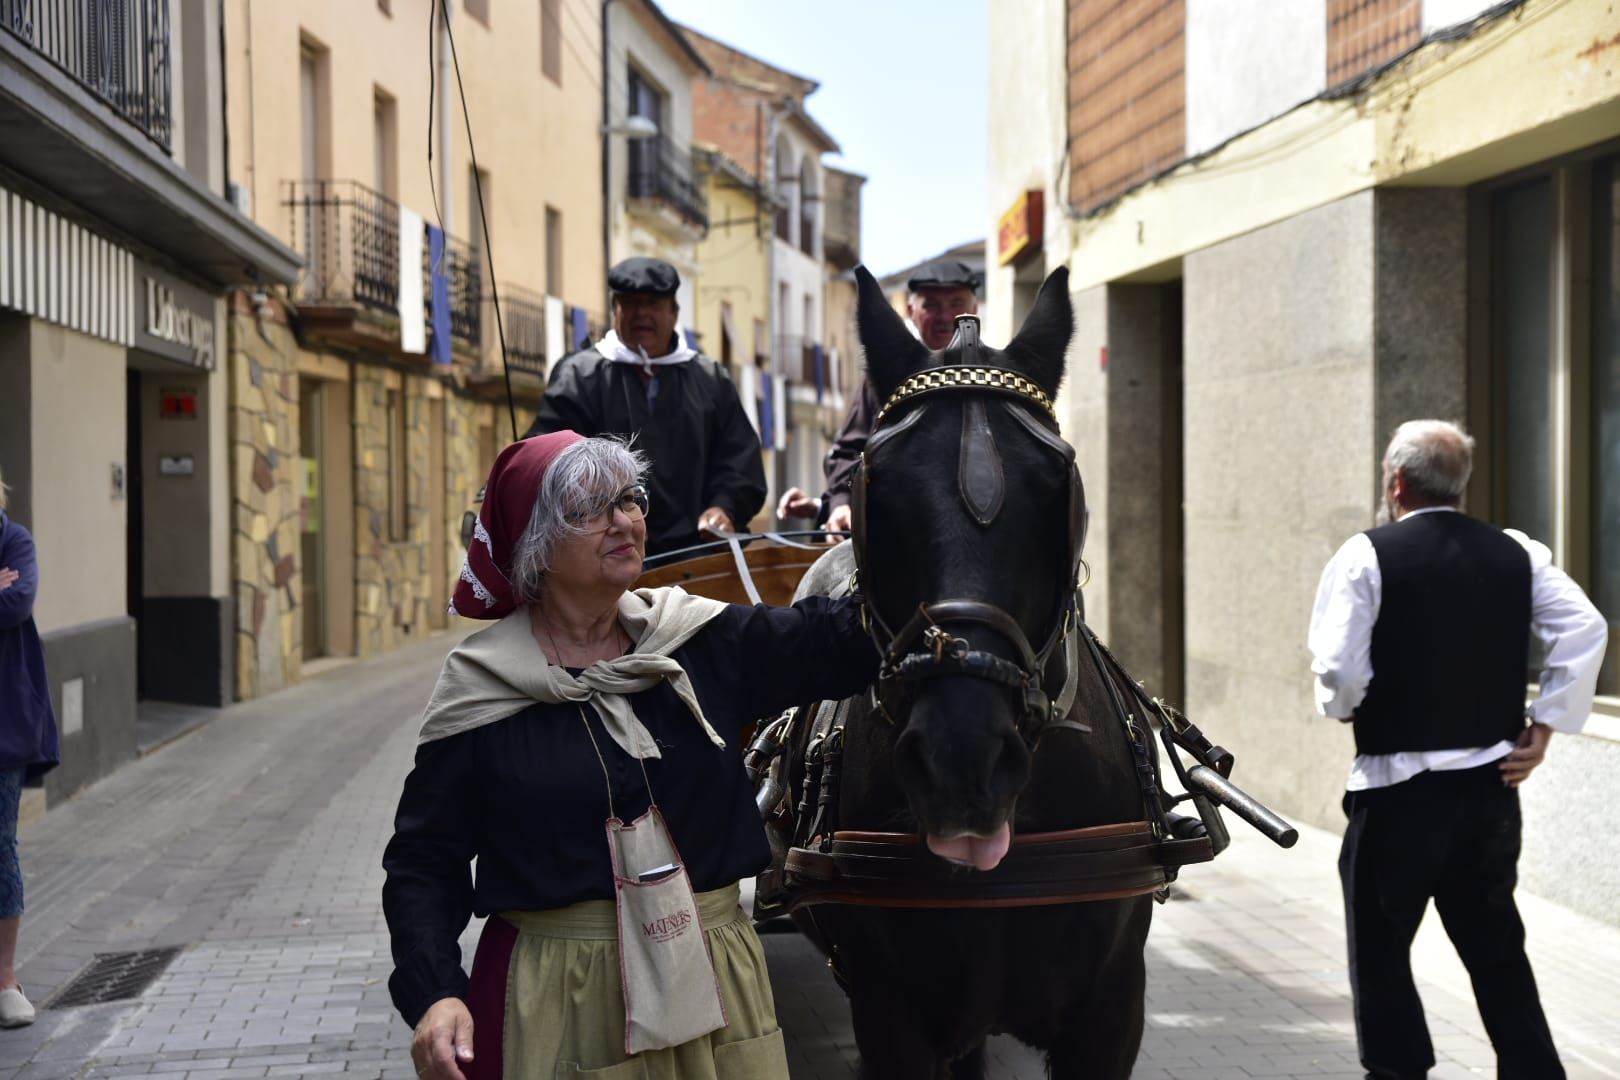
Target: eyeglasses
(631,502)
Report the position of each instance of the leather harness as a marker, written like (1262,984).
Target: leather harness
(826,865)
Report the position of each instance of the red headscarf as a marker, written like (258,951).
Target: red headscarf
(485,588)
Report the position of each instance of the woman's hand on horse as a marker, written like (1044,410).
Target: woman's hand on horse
(443,1041)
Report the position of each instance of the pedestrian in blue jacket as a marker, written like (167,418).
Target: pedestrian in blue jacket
(28,742)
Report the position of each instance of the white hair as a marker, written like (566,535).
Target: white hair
(1434,457)
(588,472)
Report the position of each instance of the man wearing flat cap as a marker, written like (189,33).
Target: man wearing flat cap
(642,381)
(940,290)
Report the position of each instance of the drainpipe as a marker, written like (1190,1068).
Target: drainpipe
(446,173)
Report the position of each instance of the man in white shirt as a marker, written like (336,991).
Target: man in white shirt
(1420,636)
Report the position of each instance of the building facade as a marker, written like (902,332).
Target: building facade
(1289,228)
(754,114)
(369,399)
(119,258)
(656,199)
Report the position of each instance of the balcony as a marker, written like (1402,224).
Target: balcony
(661,172)
(804,362)
(523,318)
(348,235)
(116,49)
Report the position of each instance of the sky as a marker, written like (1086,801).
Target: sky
(904,86)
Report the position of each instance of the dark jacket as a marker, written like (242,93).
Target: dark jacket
(703,450)
(845,454)
(27,723)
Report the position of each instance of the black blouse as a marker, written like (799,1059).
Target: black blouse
(528,798)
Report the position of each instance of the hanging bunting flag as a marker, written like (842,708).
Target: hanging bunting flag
(412,332)
(440,286)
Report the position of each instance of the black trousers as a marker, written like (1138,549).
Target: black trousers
(1452,836)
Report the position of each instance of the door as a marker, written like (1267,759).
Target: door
(311,553)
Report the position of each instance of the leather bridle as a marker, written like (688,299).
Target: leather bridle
(924,648)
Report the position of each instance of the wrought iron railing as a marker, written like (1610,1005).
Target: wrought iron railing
(523,315)
(348,236)
(660,170)
(117,49)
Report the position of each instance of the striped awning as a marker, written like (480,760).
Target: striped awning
(59,271)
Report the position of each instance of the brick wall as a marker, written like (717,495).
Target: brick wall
(1361,34)
(728,117)
(1127,94)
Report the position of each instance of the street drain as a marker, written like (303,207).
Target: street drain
(115,976)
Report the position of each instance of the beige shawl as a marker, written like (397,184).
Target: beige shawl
(501,671)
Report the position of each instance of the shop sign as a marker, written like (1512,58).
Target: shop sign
(1021,227)
(174,319)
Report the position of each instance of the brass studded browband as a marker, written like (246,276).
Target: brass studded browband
(967,378)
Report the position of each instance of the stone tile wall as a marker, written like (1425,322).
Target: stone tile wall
(391,585)
(264,501)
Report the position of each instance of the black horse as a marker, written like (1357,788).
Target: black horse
(971,496)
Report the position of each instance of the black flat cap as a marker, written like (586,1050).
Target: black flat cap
(943,274)
(643,275)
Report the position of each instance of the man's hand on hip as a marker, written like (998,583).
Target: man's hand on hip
(1528,752)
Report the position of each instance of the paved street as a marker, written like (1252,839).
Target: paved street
(254,842)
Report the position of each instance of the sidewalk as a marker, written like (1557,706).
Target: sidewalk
(254,845)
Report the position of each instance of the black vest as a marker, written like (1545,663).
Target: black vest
(1452,641)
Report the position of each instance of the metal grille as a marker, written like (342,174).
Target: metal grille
(348,235)
(115,976)
(117,49)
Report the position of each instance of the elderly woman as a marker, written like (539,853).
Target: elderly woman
(585,750)
(28,742)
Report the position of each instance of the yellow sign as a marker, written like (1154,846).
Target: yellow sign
(1020,229)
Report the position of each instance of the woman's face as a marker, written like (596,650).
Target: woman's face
(610,552)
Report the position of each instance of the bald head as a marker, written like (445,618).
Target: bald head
(1428,463)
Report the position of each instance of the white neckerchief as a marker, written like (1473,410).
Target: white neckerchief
(615,350)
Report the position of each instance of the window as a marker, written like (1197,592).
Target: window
(554,251)
(786,181)
(1605,418)
(385,143)
(312,111)
(809,196)
(398,510)
(645,100)
(1547,404)
(551,41)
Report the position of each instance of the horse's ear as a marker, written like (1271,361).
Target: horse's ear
(1044,337)
(891,352)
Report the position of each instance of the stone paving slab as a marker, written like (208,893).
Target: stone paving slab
(255,843)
